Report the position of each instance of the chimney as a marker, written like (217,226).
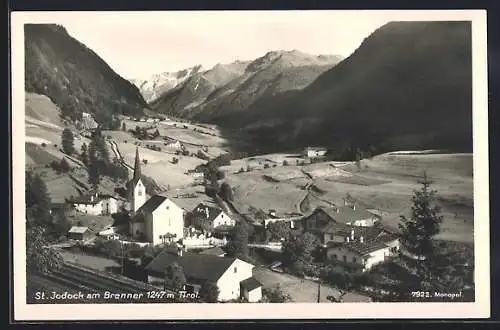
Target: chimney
(352,234)
(361,239)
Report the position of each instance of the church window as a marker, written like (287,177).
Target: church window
(139,192)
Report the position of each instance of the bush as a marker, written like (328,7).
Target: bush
(285,163)
(266,165)
(44,144)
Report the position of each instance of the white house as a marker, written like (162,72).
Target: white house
(175,145)
(315,152)
(158,220)
(211,216)
(89,204)
(229,274)
(109,204)
(95,204)
(364,249)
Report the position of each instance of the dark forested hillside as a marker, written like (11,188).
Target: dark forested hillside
(408,86)
(74,77)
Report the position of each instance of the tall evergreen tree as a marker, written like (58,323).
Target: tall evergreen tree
(418,231)
(67,141)
(37,201)
(238,244)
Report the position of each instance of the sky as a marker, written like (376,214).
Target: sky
(139,44)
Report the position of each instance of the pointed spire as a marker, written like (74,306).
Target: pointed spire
(137,166)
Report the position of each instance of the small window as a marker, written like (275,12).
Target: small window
(222,215)
(354,259)
(139,192)
(168,207)
(235,269)
(335,257)
(345,258)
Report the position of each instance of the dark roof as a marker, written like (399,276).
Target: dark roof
(347,214)
(151,204)
(215,251)
(374,238)
(85,199)
(213,212)
(196,266)
(250,284)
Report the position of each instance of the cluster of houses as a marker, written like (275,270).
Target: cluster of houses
(349,235)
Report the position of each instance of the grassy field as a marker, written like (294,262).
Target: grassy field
(384,183)
(301,290)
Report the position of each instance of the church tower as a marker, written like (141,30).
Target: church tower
(137,191)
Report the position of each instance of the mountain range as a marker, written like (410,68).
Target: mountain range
(408,86)
(232,87)
(75,78)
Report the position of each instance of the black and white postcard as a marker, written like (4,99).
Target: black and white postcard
(205,164)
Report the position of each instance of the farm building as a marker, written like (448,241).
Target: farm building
(79,233)
(362,247)
(227,273)
(314,152)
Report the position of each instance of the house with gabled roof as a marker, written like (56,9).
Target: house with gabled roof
(228,273)
(363,247)
(209,217)
(324,222)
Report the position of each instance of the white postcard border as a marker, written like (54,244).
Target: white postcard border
(479,309)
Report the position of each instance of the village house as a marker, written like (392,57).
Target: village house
(314,152)
(175,145)
(363,247)
(208,218)
(228,274)
(323,222)
(95,204)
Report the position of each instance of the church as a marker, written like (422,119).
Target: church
(156,220)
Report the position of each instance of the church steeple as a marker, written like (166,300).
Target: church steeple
(137,166)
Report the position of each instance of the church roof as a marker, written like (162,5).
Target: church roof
(152,204)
